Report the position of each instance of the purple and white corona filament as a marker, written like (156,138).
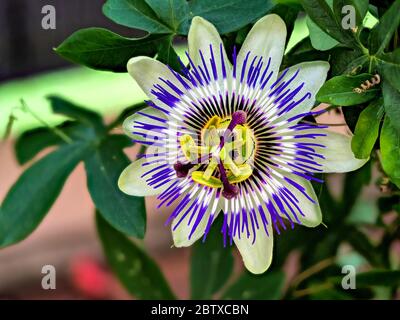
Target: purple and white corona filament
(226,137)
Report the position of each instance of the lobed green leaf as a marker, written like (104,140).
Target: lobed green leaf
(35,191)
(103,168)
(211,264)
(138,273)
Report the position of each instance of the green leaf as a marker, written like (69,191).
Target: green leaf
(320,12)
(103,168)
(135,14)
(230,15)
(389,64)
(35,191)
(268,286)
(319,39)
(367,130)
(384,30)
(360,6)
(174,16)
(339,90)
(139,274)
(168,56)
(31,142)
(211,264)
(173,13)
(71,110)
(347,61)
(301,52)
(102,49)
(390,150)
(391,102)
(353,185)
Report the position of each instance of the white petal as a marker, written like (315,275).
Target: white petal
(255,243)
(132,124)
(257,257)
(267,40)
(337,152)
(313,74)
(148,71)
(180,234)
(312,215)
(132,182)
(201,35)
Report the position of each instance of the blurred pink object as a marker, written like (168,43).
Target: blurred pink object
(90,278)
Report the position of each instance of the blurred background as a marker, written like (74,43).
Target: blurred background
(67,239)
(31,70)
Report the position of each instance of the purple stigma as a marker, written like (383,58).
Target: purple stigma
(230,191)
(238,117)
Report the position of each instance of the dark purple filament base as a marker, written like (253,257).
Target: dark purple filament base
(182,169)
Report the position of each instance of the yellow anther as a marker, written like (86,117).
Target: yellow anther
(231,166)
(199,151)
(186,142)
(213,182)
(210,169)
(211,136)
(214,121)
(210,126)
(245,172)
(248,147)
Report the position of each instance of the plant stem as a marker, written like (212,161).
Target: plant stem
(10,123)
(321,265)
(56,131)
(311,290)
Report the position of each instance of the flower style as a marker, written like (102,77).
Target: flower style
(226,136)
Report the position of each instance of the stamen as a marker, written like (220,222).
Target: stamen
(182,169)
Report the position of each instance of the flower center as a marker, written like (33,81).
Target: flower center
(224,155)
